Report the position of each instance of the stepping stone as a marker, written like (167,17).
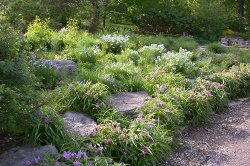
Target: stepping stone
(60,65)
(79,122)
(18,156)
(127,102)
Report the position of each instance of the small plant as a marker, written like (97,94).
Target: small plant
(115,43)
(175,61)
(46,73)
(126,76)
(81,96)
(216,48)
(39,35)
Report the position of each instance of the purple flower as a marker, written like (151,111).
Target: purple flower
(74,90)
(136,158)
(90,163)
(163,87)
(79,154)
(57,164)
(100,148)
(110,160)
(100,93)
(47,119)
(66,155)
(76,163)
(179,121)
(85,155)
(28,162)
(37,104)
(106,140)
(37,159)
(97,105)
(208,94)
(65,128)
(38,112)
(192,98)
(125,153)
(144,150)
(171,139)
(122,136)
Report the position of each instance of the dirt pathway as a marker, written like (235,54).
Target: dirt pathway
(224,141)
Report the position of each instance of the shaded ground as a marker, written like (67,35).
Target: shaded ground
(224,141)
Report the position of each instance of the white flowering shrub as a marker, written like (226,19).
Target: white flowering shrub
(175,61)
(153,47)
(115,43)
(118,68)
(150,53)
(126,76)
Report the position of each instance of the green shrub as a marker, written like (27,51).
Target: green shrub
(142,142)
(38,35)
(46,73)
(236,80)
(115,43)
(17,84)
(81,96)
(216,48)
(176,62)
(126,76)
(47,127)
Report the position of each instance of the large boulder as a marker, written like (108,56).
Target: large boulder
(79,122)
(18,156)
(127,102)
(61,65)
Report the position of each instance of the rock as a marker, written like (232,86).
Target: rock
(79,122)
(127,102)
(60,65)
(18,156)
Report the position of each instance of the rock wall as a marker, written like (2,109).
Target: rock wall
(239,42)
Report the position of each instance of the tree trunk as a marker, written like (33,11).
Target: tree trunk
(240,7)
(96,17)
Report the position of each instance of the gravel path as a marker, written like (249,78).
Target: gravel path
(224,141)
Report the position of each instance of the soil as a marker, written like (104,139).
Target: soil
(223,141)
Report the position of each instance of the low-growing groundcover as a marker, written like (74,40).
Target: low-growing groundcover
(184,90)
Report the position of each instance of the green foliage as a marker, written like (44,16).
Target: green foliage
(17,94)
(126,76)
(115,43)
(140,143)
(236,80)
(86,97)
(39,35)
(47,127)
(216,48)
(47,74)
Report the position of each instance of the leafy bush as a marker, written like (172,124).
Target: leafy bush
(115,43)
(236,80)
(176,61)
(46,73)
(81,96)
(142,142)
(47,127)
(126,76)
(17,84)
(216,48)
(38,35)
